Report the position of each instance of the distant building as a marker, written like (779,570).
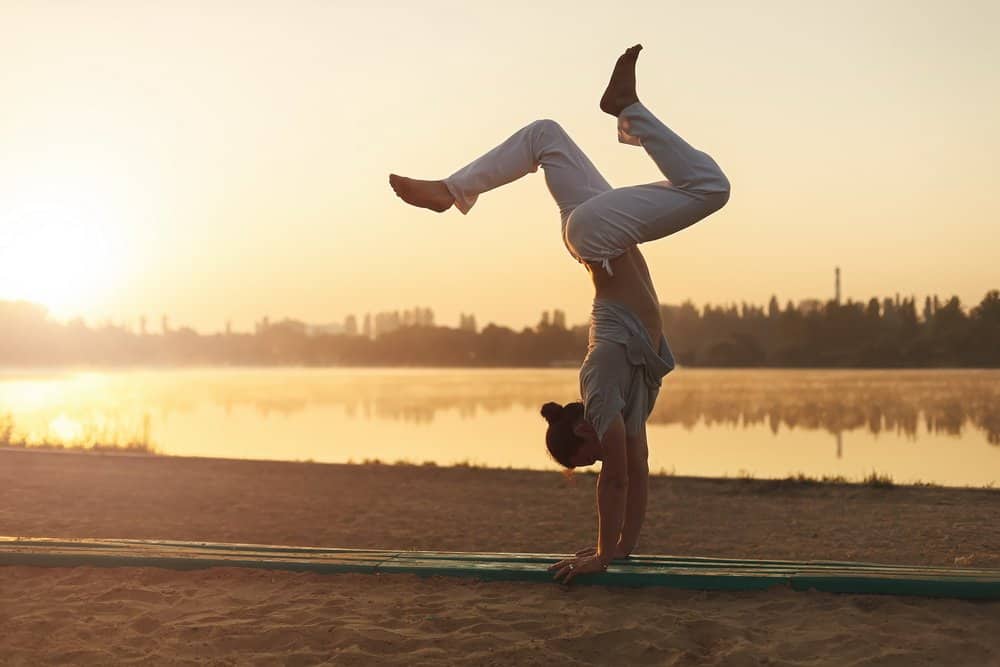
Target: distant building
(389,321)
(423,317)
(290,326)
(351,325)
(810,306)
(467,322)
(386,323)
(331,329)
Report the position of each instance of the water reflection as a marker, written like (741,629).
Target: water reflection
(899,402)
(712,421)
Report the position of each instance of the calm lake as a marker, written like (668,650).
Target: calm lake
(939,426)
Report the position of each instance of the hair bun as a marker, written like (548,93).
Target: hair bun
(552,412)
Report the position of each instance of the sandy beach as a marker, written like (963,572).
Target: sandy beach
(233,616)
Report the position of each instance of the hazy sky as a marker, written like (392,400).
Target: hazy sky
(224,161)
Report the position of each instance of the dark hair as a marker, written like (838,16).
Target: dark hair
(560,439)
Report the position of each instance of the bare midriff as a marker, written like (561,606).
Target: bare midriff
(632,286)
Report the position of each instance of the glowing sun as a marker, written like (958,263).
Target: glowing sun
(60,256)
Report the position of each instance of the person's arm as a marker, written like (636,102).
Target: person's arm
(612,489)
(635,503)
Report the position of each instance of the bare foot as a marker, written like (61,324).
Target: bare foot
(425,194)
(621,89)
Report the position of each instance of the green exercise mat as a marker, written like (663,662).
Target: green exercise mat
(640,570)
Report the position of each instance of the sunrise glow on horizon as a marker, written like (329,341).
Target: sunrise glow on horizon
(228,164)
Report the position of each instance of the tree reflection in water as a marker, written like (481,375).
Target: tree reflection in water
(903,402)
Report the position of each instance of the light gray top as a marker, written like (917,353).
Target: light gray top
(622,372)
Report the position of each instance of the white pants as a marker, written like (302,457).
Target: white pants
(599,222)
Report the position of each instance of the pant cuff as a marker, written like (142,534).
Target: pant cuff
(463,202)
(624,124)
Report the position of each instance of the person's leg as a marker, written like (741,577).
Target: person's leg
(684,166)
(607,225)
(570,175)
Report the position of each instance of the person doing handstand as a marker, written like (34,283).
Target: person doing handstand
(602,227)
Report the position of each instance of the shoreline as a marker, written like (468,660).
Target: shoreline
(873,480)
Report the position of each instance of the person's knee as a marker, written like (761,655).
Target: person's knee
(724,187)
(548,126)
(717,199)
(716,191)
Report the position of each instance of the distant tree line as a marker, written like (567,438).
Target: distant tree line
(878,334)
(886,334)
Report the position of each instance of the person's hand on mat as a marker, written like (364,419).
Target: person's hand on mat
(570,567)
